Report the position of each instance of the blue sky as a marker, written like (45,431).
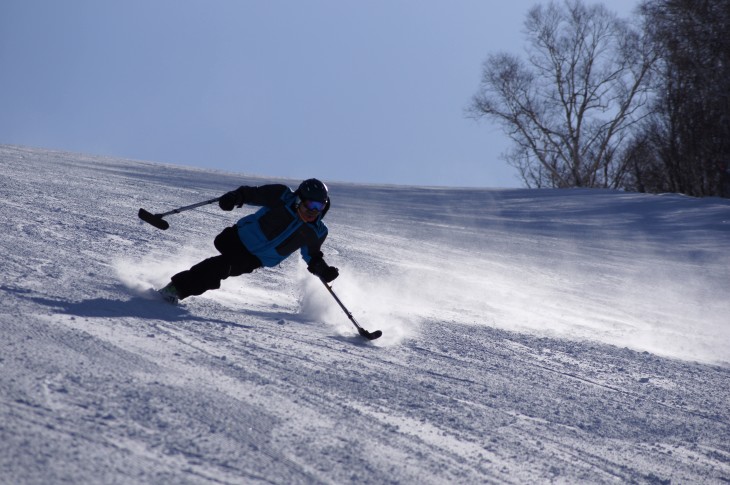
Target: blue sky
(362,91)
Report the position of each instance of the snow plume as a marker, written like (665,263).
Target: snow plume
(374,303)
(583,274)
(316,305)
(641,301)
(667,308)
(154,269)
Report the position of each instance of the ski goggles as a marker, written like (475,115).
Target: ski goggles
(314,205)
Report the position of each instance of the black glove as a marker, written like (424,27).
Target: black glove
(231,199)
(326,272)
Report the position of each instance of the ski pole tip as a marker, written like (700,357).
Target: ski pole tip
(370,335)
(375,334)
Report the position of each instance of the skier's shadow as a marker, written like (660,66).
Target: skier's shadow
(136,306)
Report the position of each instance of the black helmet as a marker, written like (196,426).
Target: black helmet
(312,189)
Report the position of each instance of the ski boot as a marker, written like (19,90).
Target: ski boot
(169,294)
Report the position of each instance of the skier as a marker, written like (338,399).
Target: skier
(287,221)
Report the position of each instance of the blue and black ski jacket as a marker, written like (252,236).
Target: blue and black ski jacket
(275,231)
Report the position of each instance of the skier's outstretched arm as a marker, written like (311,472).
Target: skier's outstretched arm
(263,195)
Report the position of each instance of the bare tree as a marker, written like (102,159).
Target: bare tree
(572,104)
(685,144)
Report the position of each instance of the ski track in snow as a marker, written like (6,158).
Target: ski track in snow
(529,336)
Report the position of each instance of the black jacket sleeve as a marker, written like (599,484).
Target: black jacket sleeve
(264,195)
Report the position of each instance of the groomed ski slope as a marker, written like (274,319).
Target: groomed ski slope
(552,336)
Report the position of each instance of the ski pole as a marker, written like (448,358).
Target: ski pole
(360,330)
(157,219)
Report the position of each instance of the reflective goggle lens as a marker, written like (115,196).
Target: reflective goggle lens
(313,205)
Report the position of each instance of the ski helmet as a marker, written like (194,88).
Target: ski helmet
(313,189)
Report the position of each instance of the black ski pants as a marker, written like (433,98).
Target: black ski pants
(234,260)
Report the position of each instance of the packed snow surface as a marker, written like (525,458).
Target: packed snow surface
(529,336)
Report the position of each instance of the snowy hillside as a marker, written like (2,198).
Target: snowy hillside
(529,336)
